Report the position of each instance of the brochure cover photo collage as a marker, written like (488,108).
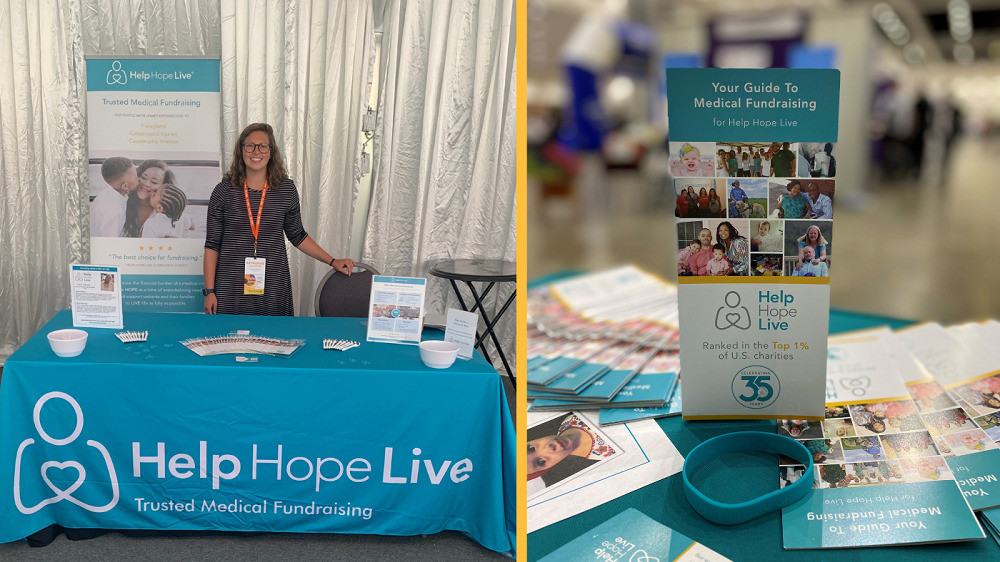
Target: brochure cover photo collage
(753,208)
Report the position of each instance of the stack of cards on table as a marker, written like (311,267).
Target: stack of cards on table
(132,337)
(601,340)
(632,536)
(242,343)
(991,522)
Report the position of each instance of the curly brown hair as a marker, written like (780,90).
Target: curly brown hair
(276,172)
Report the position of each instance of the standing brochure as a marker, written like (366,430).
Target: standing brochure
(396,309)
(750,153)
(460,328)
(96,296)
(958,393)
(880,478)
(631,536)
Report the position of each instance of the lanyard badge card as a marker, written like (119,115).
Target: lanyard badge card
(254,268)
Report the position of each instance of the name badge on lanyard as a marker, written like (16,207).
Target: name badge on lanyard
(253,276)
(253,268)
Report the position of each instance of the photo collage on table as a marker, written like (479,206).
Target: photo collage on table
(882,442)
(963,421)
(753,208)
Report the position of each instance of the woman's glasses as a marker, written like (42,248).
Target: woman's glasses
(252,147)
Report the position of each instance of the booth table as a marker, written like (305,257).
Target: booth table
(757,474)
(152,436)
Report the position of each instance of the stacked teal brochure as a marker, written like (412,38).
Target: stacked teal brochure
(608,416)
(881,476)
(621,388)
(957,388)
(991,522)
(631,536)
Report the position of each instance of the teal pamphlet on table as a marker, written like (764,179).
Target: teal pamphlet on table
(151,435)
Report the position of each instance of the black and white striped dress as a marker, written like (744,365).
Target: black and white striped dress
(228,232)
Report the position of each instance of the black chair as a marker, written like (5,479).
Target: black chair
(340,295)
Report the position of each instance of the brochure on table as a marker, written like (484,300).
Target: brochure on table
(396,309)
(96,296)
(631,536)
(754,229)
(461,329)
(957,388)
(880,478)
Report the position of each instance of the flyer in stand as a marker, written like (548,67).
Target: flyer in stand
(396,310)
(96,296)
(751,154)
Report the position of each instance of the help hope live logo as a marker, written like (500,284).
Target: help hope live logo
(81,473)
(219,468)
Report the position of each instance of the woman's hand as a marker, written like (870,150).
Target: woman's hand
(345,266)
(815,262)
(211,304)
(798,265)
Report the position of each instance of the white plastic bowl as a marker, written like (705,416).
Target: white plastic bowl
(438,354)
(68,343)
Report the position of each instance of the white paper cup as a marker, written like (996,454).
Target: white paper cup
(68,343)
(438,354)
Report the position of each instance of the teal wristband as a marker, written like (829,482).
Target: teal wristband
(734,513)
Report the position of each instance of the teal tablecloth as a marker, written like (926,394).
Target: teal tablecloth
(152,436)
(759,539)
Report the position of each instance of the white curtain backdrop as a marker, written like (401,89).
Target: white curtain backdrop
(305,68)
(445,169)
(302,66)
(44,217)
(43,222)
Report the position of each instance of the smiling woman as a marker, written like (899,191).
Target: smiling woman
(251,211)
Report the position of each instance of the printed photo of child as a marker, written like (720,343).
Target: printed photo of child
(908,445)
(684,256)
(563,447)
(858,449)
(718,265)
(692,159)
(927,469)
(968,442)
(767,236)
(800,429)
(838,428)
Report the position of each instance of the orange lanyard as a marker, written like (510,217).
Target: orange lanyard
(254,226)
